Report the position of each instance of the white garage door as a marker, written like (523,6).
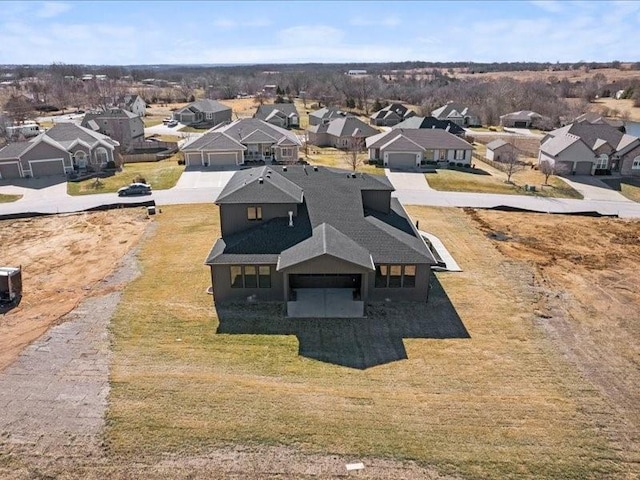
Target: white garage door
(402,160)
(9,171)
(193,159)
(46,168)
(222,158)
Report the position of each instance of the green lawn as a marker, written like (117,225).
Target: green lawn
(498,405)
(160,175)
(7,198)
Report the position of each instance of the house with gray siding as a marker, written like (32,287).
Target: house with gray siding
(584,148)
(410,148)
(245,140)
(203,113)
(458,114)
(283,115)
(500,151)
(132,103)
(431,122)
(525,119)
(340,132)
(391,115)
(287,230)
(326,114)
(62,149)
(123,126)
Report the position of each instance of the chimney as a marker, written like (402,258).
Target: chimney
(290,218)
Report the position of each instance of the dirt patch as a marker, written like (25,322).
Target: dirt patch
(64,259)
(586,272)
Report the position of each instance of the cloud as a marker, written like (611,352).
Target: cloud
(388,21)
(52,9)
(551,6)
(229,24)
(310,35)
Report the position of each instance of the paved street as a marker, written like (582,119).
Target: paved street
(411,188)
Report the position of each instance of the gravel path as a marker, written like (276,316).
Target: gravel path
(54,395)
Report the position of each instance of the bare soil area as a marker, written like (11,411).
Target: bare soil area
(586,271)
(64,258)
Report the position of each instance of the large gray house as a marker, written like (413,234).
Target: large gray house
(391,115)
(458,114)
(326,114)
(60,150)
(203,112)
(290,230)
(585,148)
(340,133)
(283,115)
(431,122)
(122,125)
(409,148)
(245,140)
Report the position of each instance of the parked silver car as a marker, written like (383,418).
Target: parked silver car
(135,189)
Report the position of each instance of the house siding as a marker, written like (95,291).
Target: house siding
(419,293)
(233,218)
(44,151)
(626,163)
(223,292)
(376,200)
(578,152)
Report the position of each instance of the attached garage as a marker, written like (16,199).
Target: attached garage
(520,124)
(9,171)
(47,168)
(223,158)
(193,159)
(564,167)
(583,168)
(327,280)
(401,160)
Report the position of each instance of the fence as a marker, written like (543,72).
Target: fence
(166,149)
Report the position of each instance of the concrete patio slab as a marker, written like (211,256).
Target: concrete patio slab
(325,303)
(438,246)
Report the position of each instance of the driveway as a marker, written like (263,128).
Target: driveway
(37,189)
(203,178)
(593,189)
(407,180)
(162,129)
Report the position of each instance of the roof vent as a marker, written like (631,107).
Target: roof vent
(353,175)
(315,169)
(284,169)
(260,180)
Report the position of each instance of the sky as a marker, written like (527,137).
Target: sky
(254,32)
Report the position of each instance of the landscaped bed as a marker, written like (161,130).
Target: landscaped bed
(160,175)
(8,198)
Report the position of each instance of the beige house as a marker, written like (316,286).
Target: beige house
(499,150)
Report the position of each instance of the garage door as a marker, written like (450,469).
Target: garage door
(520,124)
(402,160)
(194,159)
(9,171)
(47,168)
(564,168)
(583,168)
(327,280)
(226,158)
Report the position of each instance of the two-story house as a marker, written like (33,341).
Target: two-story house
(283,115)
(204,112)
(123,126)
(294,232)
(245,140)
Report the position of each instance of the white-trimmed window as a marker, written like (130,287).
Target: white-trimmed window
(287,152)
(636,163)
(80,158)
(602,162)
(442,155)
(458,155)
(101,155)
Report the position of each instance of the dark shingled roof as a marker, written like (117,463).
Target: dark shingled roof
(430,122)
(205,105)
(332,197)
(425,138)
(265,110)
(13,150)
(259,185)
(326,240)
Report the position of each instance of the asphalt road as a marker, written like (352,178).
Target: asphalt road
(204,187)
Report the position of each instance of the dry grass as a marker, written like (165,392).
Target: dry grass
(632,192)
(502,404)
(332,157)
(624,106)
(152,121)
(8,198)
(160,175)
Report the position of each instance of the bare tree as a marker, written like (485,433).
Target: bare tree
(352,158)
(512,163)
(547,168)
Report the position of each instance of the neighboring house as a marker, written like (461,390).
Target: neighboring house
(289,229)
(597,119)
(340,133)
(524,119)
(283,115)
(500,151)
(60,150)
(391,115)
(409,148)
(458,114)
(326,114)
(122,125)
(203,112)
(245,140)
(132,103)
(431,122)
(584,148)
(355,73)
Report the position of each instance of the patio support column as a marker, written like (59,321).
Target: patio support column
(364,286)
(286,286)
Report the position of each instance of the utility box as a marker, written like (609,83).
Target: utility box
(10,284)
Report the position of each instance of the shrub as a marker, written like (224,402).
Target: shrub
(111,165)
(139,179)
(459,164)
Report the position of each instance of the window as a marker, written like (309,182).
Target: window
(250,276)
(395,276)
(254,213)
(264,276)
(287,152)
(236,277)
(443,154)
(102,156)
(601,162)
(636,163)
(429,155)
(458,155)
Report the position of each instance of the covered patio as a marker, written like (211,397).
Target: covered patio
(324,303)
